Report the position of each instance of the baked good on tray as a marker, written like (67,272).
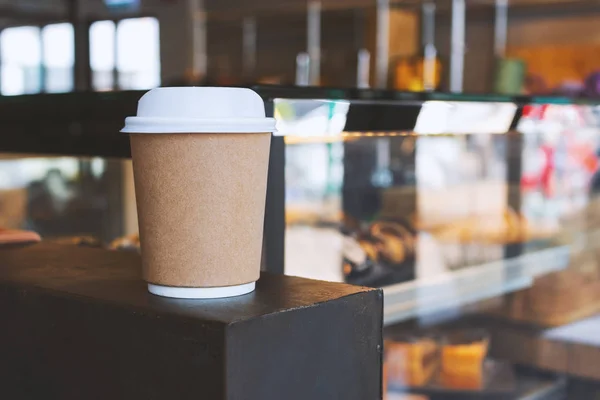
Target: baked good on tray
(129,242)
(411,361)
(462,358)
(396,242)
(358,255)
(508,227)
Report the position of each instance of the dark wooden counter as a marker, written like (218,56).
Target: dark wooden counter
(78,323)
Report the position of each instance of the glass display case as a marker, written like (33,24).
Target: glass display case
(442,200)
(63,167)
(62,197)
(475,214)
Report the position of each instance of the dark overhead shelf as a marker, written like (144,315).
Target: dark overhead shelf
(88,124)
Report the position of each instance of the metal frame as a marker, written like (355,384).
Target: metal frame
(197,28)
(249,43)
(457,46)
(382,43)
(313,41)
(274,226)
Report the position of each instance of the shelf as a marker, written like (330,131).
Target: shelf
(457,288)
(584,332)
(571,349)
(89,123)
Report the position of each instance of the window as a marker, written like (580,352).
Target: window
(58,43)
(127,50)
(21,58)
(123,55)
(138,58)
(33,59)
(102,55)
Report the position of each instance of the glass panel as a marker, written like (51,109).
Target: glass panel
(21,52)
(59,57)
(102,54)
(138,53)
(61,196)
(339,185)
(474,216)
(375,206)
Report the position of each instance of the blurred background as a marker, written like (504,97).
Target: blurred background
(447,151)
(476,46)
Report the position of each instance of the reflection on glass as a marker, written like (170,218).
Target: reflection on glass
(377,208)
(305,119)
(340,225)
(21,53)
(138,53)
(456,117)
(61,196)
(462,200)
(59,54)
(102,54)
(559,160)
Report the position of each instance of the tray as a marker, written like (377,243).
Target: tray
(499,382)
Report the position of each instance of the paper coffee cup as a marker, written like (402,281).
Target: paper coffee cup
(200,159)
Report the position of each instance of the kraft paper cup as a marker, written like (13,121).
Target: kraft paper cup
(200,159)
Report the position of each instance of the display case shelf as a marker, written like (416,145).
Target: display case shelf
(449,290)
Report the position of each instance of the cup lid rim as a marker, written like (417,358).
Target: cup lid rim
(198,125)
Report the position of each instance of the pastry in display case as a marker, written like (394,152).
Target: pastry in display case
(560,297)
(126,243)
(411,361)
(383,252)
(447,363)
(462,359)
(507,228)
(485,238)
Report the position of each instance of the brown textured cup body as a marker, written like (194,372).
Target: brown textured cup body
(201,202)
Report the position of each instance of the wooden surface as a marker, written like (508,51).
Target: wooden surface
(78,323)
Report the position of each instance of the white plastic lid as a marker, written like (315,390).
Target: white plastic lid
(198,110)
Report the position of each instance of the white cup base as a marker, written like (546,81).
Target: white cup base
(201,293)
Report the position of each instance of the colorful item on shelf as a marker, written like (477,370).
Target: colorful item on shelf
(411,361)
(462,358)
(592,85)
(409,74)
(571,88)
(558,63)
(450,363)
(510,76)
(535,84)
